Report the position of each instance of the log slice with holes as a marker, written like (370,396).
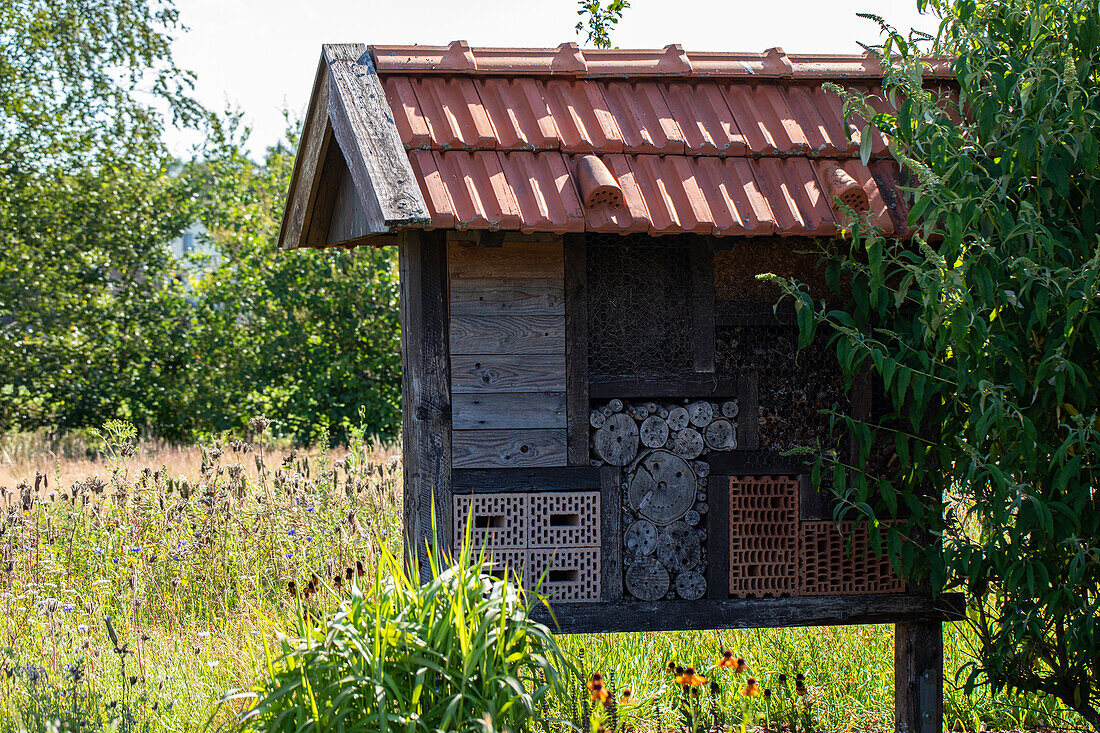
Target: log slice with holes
(647,579)
(641,537)
(617,441)
(662,488)
(653,432)
(678,547)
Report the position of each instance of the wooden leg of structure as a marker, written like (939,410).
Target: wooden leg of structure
(918,677)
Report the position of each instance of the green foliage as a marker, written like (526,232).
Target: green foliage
(97,317)
(600,20)
(456,653)
(984,332)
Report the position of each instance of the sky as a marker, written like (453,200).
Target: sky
(259,56)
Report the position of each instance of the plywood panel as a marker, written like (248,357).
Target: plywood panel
(508,335)
(480,296)
(508,448)
(508,410)
(510,261)
(482,373)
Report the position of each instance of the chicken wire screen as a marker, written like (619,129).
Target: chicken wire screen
(639,307)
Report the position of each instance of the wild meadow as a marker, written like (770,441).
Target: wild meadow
(140,584)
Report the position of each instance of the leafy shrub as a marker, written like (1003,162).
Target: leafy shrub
(457,653)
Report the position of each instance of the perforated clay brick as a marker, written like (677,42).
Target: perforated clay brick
(572,574)
(499,521)
(512,562)
(841,562)
(559,519)
(763,538)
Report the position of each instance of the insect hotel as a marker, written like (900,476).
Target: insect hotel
(595,381)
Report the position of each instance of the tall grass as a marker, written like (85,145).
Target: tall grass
(190,558)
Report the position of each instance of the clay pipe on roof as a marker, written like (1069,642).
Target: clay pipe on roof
(842,186)
(597,184)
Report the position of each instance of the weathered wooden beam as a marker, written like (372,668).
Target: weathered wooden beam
(498,480)
(918,676)
(364,128)
(425,390)
(702,303)
(611,533)
(308,164)
(752,613)
(479,296)
(718,537)
(693,385)
(503,410)
(576,350)
(527,448)
(748,422)
(491,373)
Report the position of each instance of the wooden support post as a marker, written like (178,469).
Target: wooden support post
(425,391)
(718,538)
(611,533)
(576,350)
(918,677)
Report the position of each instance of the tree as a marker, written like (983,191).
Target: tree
(600,20)
(982,331)
(89,302)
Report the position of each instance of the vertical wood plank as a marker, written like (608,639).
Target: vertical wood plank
(576,350)
(425,391)
(748,421)
(718,538)
(611,533)
(702,296)
(918,677)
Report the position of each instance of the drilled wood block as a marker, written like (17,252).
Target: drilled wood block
(571,574)
(763,536)
(840,561)
(564,519)
(497,521)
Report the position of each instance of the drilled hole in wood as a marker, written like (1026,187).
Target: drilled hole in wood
(524,448)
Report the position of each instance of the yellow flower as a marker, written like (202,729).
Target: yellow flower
(751,689)
(599,694)
(741,666)
(627,698)
(690,679)
(597,679)
(727,660)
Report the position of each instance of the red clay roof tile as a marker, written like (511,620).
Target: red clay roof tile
(723,144)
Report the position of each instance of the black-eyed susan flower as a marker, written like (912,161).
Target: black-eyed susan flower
(671,669)
(626,697)
(741,666)
(727,660)
(767,694)
(800,684)
(688,678)
(751,688)
(599,694)
(782,678)
(596,679)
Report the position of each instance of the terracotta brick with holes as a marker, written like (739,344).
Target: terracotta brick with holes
(835,562)
(763,520)
(497,521)
(571,574)
(564,519)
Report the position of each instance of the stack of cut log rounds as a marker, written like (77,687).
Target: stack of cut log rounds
(659,445)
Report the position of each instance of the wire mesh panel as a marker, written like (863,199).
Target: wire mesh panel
(763,517)
(840,561)
(639,306)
